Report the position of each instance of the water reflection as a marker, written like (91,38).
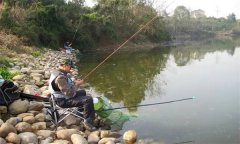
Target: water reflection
(184,54)
(128,77)
(209,71)
(125,77)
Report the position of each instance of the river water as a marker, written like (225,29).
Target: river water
(209,72)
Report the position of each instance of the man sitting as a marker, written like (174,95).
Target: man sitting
(67,95)
(67,47)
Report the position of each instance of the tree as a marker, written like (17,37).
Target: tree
(181,13)
(231,17)
(181,19)
(198,14)
(50,22)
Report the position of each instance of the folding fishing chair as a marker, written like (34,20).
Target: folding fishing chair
(58,113)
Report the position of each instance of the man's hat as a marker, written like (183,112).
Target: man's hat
(68,62)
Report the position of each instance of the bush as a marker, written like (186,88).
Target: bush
(5,73)
(36,54)
(4,62)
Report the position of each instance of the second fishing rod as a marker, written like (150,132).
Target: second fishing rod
(149,104)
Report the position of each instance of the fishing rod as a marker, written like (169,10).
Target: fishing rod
(172,101)
(185,142)
(135,34)
(121,46)
(75,32)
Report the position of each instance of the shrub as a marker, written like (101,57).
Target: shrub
(4,62)
(36,54)
(5,73)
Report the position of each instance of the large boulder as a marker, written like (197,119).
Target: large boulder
(28,137)
(93,137)
(130,136)
(23,127)
(105,140)
(59,141)
(35,106)
(2,141)
(13,138)
(66,133)
(39,126)
(6,128)
(18,106)
(22,115)
(47,140)
(71,120)
(78,139)
(40,117)
(29,119)
(26,70)
(14,120)
(46,133)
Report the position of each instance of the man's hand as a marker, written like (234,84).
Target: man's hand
(79,82)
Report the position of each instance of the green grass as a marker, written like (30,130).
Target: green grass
(5,73)
(36,54)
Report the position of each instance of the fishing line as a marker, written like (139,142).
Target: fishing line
(149,22)
(150,104)
(75,32)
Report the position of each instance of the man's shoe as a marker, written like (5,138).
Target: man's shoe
(89,126)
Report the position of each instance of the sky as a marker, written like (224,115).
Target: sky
(216,8)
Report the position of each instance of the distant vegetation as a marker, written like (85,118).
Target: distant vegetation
(48,23)
(194,25)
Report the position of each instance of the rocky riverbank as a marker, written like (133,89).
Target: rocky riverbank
(26,121)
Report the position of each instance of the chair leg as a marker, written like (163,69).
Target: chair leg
(57,117)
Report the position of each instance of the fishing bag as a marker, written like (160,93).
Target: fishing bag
(104,109)
(8,92)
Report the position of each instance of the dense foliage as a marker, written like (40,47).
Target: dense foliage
(51,22)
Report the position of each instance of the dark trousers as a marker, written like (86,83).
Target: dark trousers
(82,101)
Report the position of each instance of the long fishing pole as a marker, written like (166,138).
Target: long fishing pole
(172,101)
(185,142)
(75,32)
(121,46)
(149,22)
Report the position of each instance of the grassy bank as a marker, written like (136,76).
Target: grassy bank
(11,46)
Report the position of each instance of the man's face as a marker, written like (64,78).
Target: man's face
(67,68)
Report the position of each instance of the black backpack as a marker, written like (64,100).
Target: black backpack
(8,93)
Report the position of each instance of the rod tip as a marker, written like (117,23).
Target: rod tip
(194,97)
